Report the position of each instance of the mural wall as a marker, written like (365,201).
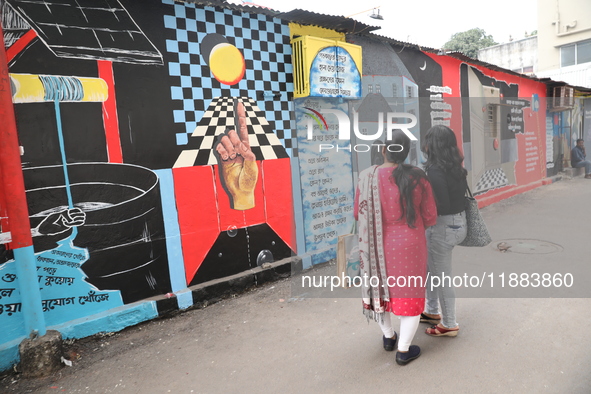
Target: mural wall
(157,144)
(500,118)
(163,147)
(325,177)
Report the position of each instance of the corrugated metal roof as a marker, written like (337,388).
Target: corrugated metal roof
(244,7)
(340,24)
(402,43)
(343,24)
(549,82)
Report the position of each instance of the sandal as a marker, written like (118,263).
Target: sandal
(437,331)
(429,320)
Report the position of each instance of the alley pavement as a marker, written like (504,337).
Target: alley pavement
(278,338)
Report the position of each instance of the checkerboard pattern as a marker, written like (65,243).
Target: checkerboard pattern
(217,119)
(264,43)
(491,179)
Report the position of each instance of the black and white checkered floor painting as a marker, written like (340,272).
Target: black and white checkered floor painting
(218,117)
(264,43)
(491,179)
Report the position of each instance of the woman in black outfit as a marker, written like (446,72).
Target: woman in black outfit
(448,179)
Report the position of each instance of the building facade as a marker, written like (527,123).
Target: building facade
(518,55)
(564,41)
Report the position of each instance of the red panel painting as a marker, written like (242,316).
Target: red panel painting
(197,212)
(278,199)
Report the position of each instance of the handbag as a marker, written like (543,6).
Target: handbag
(348,257)
(477,234)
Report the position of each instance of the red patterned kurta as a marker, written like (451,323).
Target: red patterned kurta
(405,248)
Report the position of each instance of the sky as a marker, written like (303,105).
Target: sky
(429,23)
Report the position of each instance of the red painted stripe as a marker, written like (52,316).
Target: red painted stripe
(194,188)
(279,199)
(110,120)
(20,44)
(4,225)
(13,184)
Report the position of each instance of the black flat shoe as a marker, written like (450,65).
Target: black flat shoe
(389,343)
(404,358)
(429,320)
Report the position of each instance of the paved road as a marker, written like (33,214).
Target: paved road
(273,339)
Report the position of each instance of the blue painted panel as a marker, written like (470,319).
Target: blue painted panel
(65,294)
(326,176)
(176,263)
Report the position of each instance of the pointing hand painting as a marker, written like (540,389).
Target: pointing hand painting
(60,222)
(238,166)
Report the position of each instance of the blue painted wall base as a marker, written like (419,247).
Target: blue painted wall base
(112,320)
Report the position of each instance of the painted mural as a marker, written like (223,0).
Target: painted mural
(233,174)
(388,87)
(334,73)
(497,116)
(157,144)
(330,77)
(163,146)
(87,213)
(325,176)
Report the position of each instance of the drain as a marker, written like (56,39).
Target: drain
(527,246)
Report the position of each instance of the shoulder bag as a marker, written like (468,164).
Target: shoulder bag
(477,234)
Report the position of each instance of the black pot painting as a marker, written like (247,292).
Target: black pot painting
(123,228)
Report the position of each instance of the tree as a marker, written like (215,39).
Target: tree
(469,42)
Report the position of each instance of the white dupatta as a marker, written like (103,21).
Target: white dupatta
(374,291)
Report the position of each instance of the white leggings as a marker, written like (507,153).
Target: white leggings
(408,328)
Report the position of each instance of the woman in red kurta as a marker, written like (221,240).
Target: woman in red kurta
(394,204)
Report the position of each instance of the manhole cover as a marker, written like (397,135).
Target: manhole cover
(527,246)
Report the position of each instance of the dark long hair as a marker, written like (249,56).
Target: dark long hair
(405,176)
(441,148)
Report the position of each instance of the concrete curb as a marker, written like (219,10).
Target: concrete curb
(213,291)
(552,179)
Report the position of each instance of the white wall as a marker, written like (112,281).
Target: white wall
(515,55)
(562,22)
